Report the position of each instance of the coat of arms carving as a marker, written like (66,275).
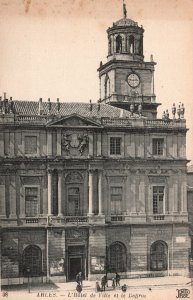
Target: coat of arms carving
(75,140)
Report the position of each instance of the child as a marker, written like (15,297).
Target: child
(97,286)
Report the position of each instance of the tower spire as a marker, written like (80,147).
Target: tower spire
(124,10)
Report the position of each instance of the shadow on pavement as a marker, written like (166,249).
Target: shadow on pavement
(33,287)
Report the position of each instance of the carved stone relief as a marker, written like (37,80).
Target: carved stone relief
(74,142)
(73,177)
(30,180)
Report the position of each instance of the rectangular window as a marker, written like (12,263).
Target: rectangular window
(31,201)
(158,146)
(158,199)
(116,199)
(30,144)
(115,146)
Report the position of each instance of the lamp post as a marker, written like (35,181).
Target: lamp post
(28,274)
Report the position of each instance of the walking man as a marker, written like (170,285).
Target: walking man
(117,279)
(79,279)
(103,283)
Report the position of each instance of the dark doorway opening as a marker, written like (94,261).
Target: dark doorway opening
(75,266)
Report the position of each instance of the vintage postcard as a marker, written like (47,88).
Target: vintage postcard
(96,149)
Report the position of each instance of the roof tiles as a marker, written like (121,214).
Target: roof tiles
(93,110)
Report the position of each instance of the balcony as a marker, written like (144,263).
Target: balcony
(67,220)
(33,221)
(130,99)
(125,218)
(168,218)
(119,218)
(39,221)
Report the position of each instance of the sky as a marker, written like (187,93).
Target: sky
(52,49)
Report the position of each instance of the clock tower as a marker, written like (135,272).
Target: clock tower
(126,80)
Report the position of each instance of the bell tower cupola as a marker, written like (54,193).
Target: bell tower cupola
(125,39)
(126,80)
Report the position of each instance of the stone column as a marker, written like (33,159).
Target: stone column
(176,194)
(12,196)
(91,148)
(100,192)
(2,141)
(11,144)
(141,203)
(114,43)
(59,142)
(98,143)
(49,192)
(2,196)
(49,143)
(90,194)
(21,196)
(183,205)
(60,192)
(133,192)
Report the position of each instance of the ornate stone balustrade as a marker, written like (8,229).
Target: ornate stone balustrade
(64,220)
(30,118)
(130,99)
(142,123)
(180,217)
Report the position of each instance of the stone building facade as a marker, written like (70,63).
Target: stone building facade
(97,187)
(190,209)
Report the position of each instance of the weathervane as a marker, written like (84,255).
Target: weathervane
(124,10)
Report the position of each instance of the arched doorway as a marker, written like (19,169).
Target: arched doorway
(117,259)
(159,256)
(32,260)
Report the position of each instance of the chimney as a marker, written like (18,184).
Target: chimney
(99,107)
(58,104)
(49,105)
(4,96)
(11,105)
(90,105)
(40,107)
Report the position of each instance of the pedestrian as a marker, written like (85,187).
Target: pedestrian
(103,283)
(79,279)
(106,280)
(113,283)
(97,286)
(117,279)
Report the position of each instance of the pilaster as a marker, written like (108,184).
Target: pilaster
(49,192)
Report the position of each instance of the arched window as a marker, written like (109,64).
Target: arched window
(107,87)
(118,44)
(159,256)
(131,44)
(117,257)
(32,261)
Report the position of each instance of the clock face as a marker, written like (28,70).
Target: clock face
(133,80)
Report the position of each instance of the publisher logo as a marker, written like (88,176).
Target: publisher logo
(182,293)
